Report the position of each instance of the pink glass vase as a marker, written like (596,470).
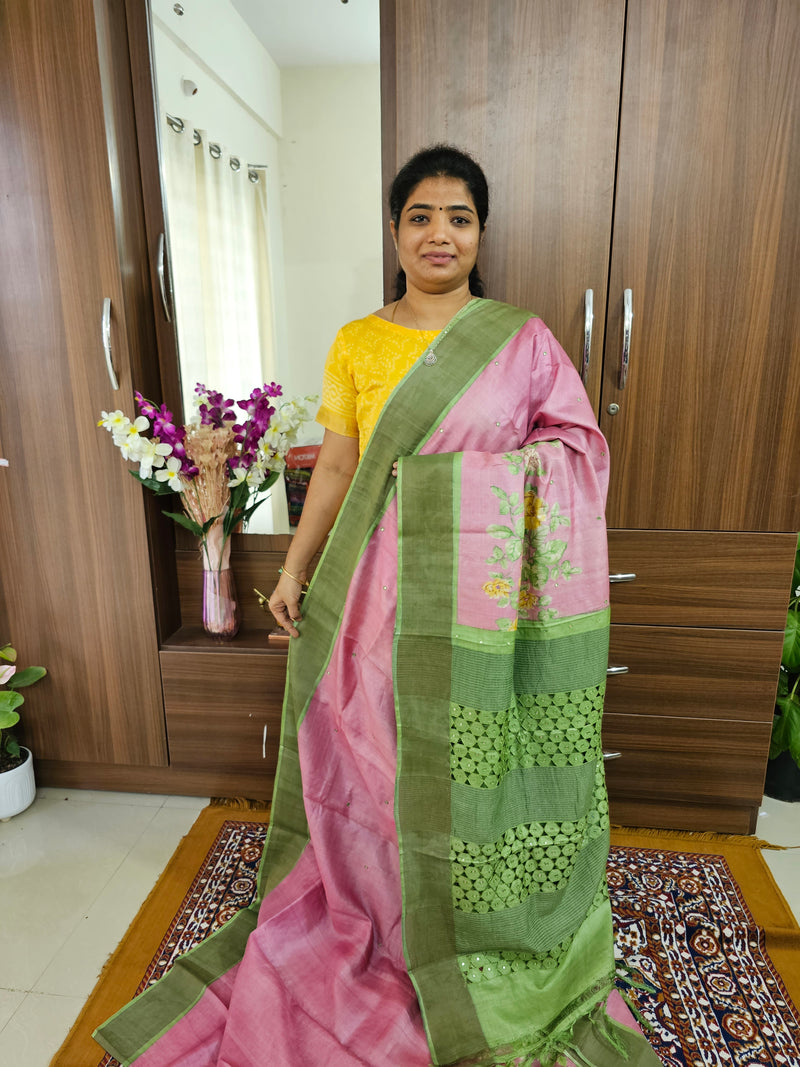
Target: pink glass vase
(220,607)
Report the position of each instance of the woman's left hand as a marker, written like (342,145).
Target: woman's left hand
(285,603)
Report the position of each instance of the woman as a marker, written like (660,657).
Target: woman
(433,886)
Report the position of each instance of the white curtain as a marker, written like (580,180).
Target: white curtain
(217,219)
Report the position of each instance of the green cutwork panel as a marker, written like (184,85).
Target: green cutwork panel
(538,730)
(494,966)
(529,858)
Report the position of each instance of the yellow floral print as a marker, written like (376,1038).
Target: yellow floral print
(535,511)
(497,588)
(527,600)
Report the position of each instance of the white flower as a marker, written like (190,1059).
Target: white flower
(131,442)
(6,673)
(172,475)
(114,421)
(270,440)
(239,475)
(151,455)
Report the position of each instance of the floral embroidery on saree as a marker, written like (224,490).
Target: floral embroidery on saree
(529,533)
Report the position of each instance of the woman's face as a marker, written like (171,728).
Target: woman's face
(438,235)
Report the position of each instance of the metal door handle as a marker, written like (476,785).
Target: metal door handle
(627,324)
(162,284)
(621,578)
(616,670)
(588,319)
(611,755)
(105,332)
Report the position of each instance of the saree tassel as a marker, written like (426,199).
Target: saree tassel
(629,979)
(642,1020)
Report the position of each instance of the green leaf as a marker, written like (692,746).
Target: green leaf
(496,556)
(504,624)
(514,549)
(791,642)
(553,551)
(12,746)
(783,682)
(27,676)
(9,717)
(153,484)
(501,532)
(786,728)
(186,522)
(8,653)
(246,516)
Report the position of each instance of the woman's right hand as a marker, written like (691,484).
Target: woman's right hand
(284,603)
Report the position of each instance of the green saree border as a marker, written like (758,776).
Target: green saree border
(153,1013)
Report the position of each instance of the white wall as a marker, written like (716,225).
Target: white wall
(238,103)
(330,162)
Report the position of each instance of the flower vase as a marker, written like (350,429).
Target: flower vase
(221,613)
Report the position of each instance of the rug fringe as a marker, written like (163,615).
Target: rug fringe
(239,803)
(706,835)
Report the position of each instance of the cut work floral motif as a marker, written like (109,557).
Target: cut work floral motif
(529,534)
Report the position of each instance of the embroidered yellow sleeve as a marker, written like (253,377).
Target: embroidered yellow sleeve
(337,411)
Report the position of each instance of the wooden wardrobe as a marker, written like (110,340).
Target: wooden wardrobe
(650,146)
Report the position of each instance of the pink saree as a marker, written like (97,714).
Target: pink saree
(433,885)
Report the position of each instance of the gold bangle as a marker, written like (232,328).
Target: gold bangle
(300,582)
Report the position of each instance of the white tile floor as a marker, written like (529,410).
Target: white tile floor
(76,866)
(74,870)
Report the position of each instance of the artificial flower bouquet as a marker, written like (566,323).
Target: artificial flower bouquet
(220,468)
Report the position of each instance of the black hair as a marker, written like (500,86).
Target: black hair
(440,161)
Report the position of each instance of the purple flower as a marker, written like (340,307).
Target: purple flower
(147,407)
(214,409)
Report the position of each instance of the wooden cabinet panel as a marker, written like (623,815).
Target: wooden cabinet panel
(687,578)
(706,232)
(74,565)
(694,673)
(218,705)
(699,761)
(676,815)
(531,88)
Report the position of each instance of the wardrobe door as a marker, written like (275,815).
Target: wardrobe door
(706,235)
(531,88)
(74,564)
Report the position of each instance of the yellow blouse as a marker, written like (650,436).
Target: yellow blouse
(365,363)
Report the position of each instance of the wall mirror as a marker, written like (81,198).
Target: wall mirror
(268,118)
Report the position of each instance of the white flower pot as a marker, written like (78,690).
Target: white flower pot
(17,788)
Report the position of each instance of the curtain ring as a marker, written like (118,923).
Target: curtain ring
(178,125)
(234,163)
(214,151)
(253,176)
(197,138)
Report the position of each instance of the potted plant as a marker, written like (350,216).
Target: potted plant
(783,766)
(17,786)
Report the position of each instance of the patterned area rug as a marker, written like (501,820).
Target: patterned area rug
(713,996)
(683,928)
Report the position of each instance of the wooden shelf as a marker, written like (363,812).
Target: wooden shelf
(195,639)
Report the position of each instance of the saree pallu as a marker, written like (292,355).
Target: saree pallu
(433,884)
